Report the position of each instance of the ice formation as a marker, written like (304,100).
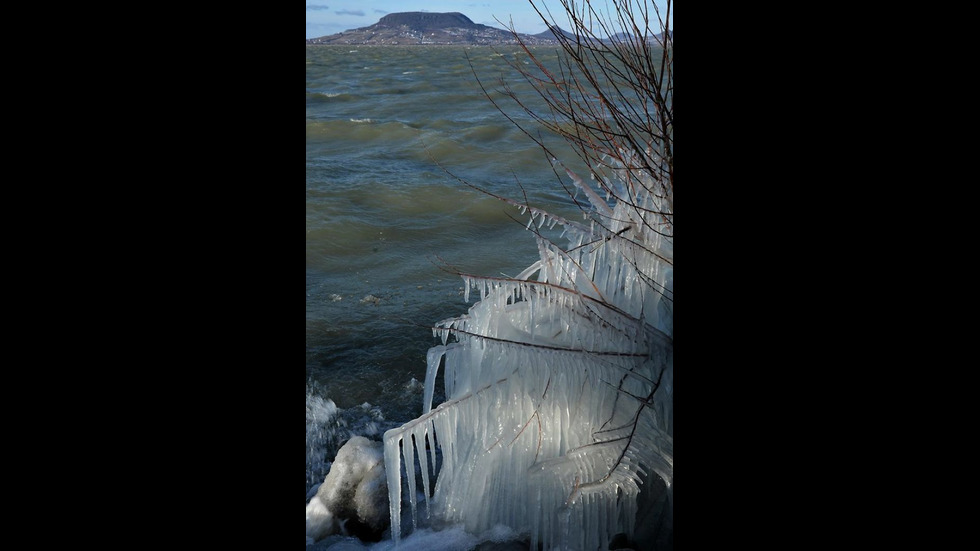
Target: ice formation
(353,491)
(558,382)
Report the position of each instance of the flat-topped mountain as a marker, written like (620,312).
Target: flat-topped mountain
(420,27)
(424,21)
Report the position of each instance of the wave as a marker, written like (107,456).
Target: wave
(357,133)
(320,97)
(491,132)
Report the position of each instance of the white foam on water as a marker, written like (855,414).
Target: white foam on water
(427,539)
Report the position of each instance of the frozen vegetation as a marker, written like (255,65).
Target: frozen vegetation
(558,383)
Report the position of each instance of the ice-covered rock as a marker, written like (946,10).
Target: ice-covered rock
(353,498)
(320,522)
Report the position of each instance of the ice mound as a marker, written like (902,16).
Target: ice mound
(353,498)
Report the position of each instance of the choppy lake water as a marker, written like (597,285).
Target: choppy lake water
(384,219)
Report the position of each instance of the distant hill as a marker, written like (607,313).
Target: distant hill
(658,36)
(552,31)
(420,27)
(618,37)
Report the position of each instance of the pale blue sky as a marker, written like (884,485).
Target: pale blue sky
(325,17)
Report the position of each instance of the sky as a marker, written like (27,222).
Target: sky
(325,17)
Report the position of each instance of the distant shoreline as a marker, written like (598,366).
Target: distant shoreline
(444,29)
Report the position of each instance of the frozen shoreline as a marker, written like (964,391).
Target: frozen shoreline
(454,538)
(328,428)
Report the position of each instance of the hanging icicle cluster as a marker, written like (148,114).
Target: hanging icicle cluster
(558,382)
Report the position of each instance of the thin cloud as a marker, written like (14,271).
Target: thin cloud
(317,7)
(358,13)
(376,10)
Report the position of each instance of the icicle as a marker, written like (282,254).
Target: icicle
(393,474)
(449,373)
(432,360)
(547,260)
(605,518)
(546,524)
(423,464)
(530,319)
(430,442)
(536,518)
(591,524)
(596,201)
(530,270)
(408,452)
